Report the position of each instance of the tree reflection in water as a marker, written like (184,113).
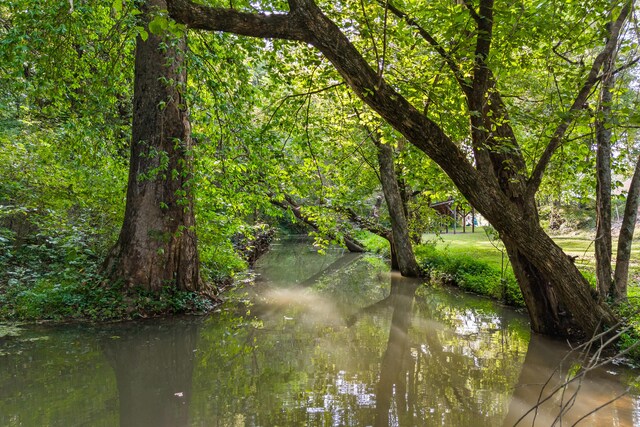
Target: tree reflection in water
(441,371)
(153,362)
(545,369)
(302,352)
(397,363)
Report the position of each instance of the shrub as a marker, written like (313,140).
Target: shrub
(57,278)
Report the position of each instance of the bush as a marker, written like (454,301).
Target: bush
(469,274)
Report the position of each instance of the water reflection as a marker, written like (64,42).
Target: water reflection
(397,364)
(439,370)
(153,364)
(600,399)
(318,341)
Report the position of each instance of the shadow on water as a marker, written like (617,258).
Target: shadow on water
(334,340)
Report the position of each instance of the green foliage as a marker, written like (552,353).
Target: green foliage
(373,243)
(470,274)
(269,118)
(54,274)
(630,312)
(567,217)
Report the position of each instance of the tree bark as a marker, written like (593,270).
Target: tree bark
(157,243)
(603,245)
(401,241)
(625,238)
(559,299)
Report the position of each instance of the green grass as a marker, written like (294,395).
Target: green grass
(373,243)
(476,245)
(582,246)
(578,245)
(469,273)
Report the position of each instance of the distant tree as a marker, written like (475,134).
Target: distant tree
(611,285)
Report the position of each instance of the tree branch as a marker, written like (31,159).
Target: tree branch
(306,22)
(579,102)
(289,204)
(472,11)
(199,17)
(482,74)
(364,223)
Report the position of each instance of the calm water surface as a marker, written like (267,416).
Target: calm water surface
(333,340)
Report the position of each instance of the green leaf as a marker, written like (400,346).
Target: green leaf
(158,24)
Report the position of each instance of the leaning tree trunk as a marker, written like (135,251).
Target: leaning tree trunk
(157,243)
(401,242)
(625,238)
(559,299)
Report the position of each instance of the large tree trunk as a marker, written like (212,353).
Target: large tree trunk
(625,238)
(401,241)
(157,243)
(559,299)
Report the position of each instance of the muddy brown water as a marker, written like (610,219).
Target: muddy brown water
(317,340)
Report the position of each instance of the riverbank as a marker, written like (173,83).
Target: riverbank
(477,263)
(481,257)
(45,284)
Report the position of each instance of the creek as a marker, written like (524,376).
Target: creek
(320,340)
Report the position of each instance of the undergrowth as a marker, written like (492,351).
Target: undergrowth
(469,274)
(57,278)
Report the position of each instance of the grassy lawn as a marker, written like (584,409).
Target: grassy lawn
(476,245)
(581,246)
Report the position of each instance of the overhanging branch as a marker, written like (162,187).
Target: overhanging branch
(273,26)
(306,22)
(289,204)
